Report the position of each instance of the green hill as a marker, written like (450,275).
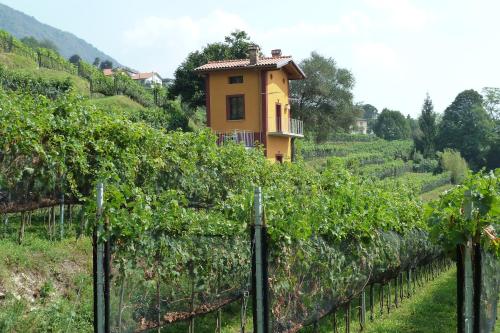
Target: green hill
(21,25)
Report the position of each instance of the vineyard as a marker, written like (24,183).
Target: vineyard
(99,84)
(190,230)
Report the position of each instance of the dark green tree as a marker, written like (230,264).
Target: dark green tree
(324,100)
(392,125)
(106,64)
(35,43)
(466,127)
(426,135)
(75,59)
(97,62)
(189,85)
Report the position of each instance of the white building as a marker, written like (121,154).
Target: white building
(361,126)
(148,79)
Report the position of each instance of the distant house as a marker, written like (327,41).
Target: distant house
(148,79)
(361,126)
(107,72)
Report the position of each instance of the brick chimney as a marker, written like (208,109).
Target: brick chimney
(253,53)
(276,53)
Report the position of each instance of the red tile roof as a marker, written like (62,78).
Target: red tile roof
(142,76)
(264,63)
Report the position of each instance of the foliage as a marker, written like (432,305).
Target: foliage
(45,57)
(180,207)
(118,83)
(452,161)
(324,99)
(369,111)
(106,64)
(466,127)
(392,125)
(426,165)
(491,102)
(470,211)
(75,59)
(33,43)
(425,139)
(16,80)
(188,85)
(392,168)
(386,149)
(420,182)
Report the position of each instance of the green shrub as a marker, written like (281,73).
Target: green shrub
(426,165)
(452,161)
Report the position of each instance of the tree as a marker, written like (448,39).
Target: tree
(75,59)
(413,124)
(189,85)
(97,62)
(369,111)
(426,136)
(392,125)
(466,127)
(492,102)
(35,43)
(106,64)
(324,99)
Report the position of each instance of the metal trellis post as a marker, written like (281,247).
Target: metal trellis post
(98,263)
(260,283)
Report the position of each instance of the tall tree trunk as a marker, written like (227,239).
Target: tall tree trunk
(21,228)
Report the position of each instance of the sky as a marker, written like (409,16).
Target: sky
(397,50)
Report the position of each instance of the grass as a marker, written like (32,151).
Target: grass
(46,285)
(435,193)
(118,103)
(431,310)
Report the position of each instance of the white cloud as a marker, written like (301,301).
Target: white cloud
(403,14)
(165,41)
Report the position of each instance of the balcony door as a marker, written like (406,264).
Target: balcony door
(278,117)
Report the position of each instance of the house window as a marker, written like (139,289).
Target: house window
(235,79)
(235,107)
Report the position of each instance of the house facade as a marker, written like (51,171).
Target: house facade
(361,126)
(247,101)
(148,79)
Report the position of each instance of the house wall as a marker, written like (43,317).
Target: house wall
(279,145)
(277,92)
(220,88)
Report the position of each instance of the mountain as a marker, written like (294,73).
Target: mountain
(21,25)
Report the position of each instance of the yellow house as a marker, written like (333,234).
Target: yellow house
(247,101)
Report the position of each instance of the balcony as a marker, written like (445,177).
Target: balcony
(247,138)
(290,128)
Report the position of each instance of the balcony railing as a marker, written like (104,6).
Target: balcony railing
(292,127)
(247,138)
